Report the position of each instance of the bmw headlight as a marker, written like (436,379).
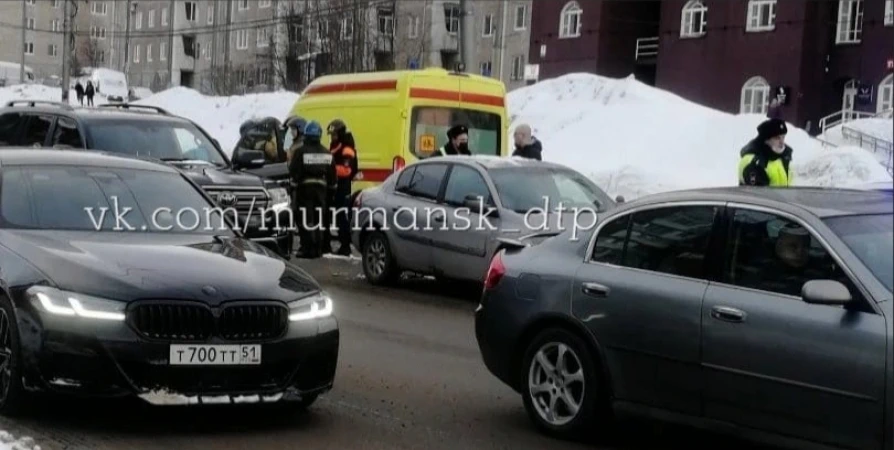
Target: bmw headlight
(279,199)
(64,303)
(316,306)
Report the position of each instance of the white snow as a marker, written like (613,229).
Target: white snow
(631,138)
(9,442)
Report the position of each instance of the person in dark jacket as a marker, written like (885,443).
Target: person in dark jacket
(344,160)
(458,143)
(774,110)
(766,160)
(526,145)
(313,174)
(89,92)
(79,91)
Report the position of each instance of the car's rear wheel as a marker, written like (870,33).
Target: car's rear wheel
(379,266)
(13,397)
(561,386)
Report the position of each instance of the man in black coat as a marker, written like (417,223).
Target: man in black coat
(526,145)
(458,143)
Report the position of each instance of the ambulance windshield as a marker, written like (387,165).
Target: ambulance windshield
(429,125)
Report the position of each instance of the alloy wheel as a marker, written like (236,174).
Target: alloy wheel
(376,258)
(556,383)
(6,355)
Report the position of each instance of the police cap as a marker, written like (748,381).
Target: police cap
(457,130)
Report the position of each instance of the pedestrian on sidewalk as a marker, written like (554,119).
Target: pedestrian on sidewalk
(89,92)
(79,91)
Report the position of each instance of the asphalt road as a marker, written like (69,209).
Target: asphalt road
(409,377)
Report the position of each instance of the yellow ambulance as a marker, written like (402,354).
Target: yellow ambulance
(401,116)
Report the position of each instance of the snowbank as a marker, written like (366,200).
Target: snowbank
(41,92)
(221,116)
(9,442)
(633,139)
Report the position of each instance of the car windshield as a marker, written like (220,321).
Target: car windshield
(90,198)
(871,238)
(430,124)
(523,189)
(169,141)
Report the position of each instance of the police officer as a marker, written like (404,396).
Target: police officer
(344,162)
(312,172)
(766,160)
(457,144)
(295,125)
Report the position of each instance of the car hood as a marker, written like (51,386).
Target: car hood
(130,266)
(205,174)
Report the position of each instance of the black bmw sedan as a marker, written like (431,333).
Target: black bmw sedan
(120,277)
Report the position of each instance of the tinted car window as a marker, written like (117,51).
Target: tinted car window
(59,198)
(670,240)
(464,181)
(775,254)
(37,130)
(9,127)
(871,238)
(67,133)
(155,139)
(403,180)
(426,181)
(609,246)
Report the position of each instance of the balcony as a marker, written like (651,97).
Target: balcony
(646,50)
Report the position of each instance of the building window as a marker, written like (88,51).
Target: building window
(29,48)
(164,17)
(569,23)
(488,28)
(136,53)
(265,3)
(55,25)
(56,3)
(97,33)
(850,21)
(138,21)
(755,96)
(151,18)
(211,14)
(518,68)
(53,50)
(30,24)
(323,29)
(243,5)
(31,2)
(297,30)
(886,94)
(192,11)
(413,27)
(99,8)
(761,15)
(889,13)
(346,27)
(695,19)
(386,22)
(521,17)
(242,39)
(209,49)
(149,53)
(263,38)
(486,68)
(451,18)
(163,52)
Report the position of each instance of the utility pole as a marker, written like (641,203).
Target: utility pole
(67,43)
(467,31)
(24,42)
(126,38)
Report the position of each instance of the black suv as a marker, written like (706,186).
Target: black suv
(153,133)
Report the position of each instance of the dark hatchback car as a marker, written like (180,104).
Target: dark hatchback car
(119,278)
(240,185)
(765,312)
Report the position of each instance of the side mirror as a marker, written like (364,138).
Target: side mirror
(825,292)
(249,159)
(619,199)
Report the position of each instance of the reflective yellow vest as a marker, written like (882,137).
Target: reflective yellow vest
(775,170)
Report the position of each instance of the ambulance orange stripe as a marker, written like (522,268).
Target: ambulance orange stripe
(456,96)
(354,86)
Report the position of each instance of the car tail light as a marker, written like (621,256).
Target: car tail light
(397,164)
(495,272)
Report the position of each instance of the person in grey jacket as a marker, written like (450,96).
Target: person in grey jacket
(526,145)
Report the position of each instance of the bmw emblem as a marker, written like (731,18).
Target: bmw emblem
(226,199)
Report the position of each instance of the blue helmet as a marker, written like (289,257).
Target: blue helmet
(296,122)
(313,130)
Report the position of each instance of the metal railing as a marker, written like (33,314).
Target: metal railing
(840,117)
(873,144)
(646,47)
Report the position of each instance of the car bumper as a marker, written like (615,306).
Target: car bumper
(109,359)
(497,340)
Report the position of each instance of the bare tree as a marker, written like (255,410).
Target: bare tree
(89,54)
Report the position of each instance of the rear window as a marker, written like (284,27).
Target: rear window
(429,125)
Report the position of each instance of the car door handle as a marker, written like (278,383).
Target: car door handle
(727,314)
(595,289)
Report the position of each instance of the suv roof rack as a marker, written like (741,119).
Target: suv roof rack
(131,106)
(39,102)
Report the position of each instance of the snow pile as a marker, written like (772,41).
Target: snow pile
(634,140)
(41,92)
(9,442)
(221,116)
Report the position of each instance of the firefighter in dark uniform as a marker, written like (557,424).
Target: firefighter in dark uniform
(312,172)
(344,161)
(294,125)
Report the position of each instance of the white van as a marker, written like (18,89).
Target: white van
(9,74)
(108,83)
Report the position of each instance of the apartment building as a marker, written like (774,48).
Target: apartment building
(43,35)
(818,57)
(427,34)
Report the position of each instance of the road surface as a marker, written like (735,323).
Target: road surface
(409,377)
